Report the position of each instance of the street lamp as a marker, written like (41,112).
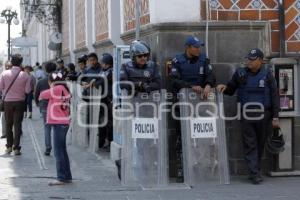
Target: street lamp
(8,16)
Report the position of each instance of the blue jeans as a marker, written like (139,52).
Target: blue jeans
(60,152)
(28,101)
(47,130)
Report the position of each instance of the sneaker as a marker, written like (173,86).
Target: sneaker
(56,182)
(30,115)
(47,153)
(8,150)
(17,152)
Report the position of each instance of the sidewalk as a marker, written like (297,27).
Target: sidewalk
(26,177)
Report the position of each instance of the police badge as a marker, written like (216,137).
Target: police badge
(261,83)
(147,74)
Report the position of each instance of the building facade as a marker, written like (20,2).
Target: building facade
(229,27)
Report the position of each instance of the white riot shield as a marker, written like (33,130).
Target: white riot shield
(121,55)
(79,116)
(144,148)
(94,106)
(203,139)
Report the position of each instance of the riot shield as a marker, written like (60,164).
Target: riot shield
(94,110)
(121,55)
(203,139)
(144,141)
(78,116)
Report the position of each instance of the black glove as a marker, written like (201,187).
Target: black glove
(207,61)
(138,86)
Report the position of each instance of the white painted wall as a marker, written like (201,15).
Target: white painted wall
(94,22)
(34,32)
(114,23)
(72,30)
(89,26)
(174,11)
(41,33)
(122,15)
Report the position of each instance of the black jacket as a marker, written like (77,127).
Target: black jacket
(238,79)
(41,86)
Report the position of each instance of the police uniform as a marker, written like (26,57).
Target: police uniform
(90,74)
(64,71)
(259,87)
(187,72)
(144,79)
(105,78)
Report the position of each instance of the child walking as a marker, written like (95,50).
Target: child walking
(58,116)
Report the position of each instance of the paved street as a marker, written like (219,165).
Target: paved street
(27,177)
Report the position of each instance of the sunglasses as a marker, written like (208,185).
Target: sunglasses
(143,55)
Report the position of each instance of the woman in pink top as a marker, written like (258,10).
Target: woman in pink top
(58,116)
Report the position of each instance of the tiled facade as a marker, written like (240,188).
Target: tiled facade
(80,23)
(65,27)
(129,14)
(101,15)
(260,10)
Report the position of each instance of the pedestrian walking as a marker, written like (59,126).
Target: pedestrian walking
(14,85)
(29,96)
(7,66)
(42,85)
(39,72)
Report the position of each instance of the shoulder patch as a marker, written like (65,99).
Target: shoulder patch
(175,60)
(147,74)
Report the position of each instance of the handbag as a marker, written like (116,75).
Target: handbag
(3,97)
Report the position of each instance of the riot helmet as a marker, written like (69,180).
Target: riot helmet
(275,142)
(138,48)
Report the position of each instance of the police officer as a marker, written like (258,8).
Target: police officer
(105,83)
(72,75)
(257,89)
(91,73)
(141,71)
(61,67)
(190,69)
(86,80)
(82,64)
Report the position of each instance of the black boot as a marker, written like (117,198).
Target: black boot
(118,164)
(255,179)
